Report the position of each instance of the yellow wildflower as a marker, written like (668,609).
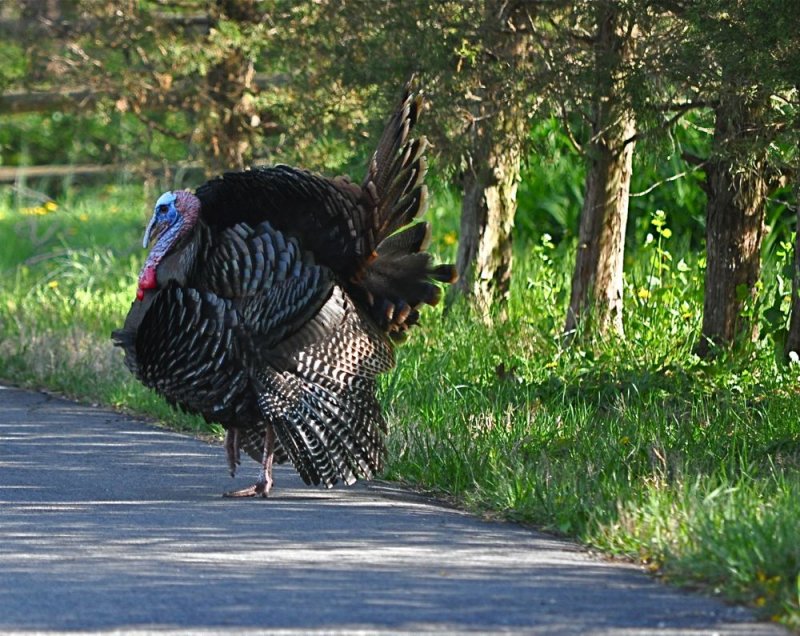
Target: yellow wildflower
(643,293)
(450,238)
(51,206)
(52,284)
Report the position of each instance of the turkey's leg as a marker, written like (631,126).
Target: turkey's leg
(232,449)
(265,475)
(264,483)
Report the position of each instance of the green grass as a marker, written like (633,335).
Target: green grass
(634,446)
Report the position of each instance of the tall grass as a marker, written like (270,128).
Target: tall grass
(633,445)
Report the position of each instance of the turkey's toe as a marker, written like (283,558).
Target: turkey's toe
(259,488)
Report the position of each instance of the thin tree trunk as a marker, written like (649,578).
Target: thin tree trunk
(596,296)
(487,217)
(734,228)
(230,82)
(490,182)
(793,337)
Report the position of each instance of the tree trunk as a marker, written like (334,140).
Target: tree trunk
(490,182)
(487,217)
(231,131)
(793,337)
(596,296)
(736,192)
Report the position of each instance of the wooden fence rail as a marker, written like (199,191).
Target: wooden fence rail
(14,174)
(11,27)
(77,98)
(44,102)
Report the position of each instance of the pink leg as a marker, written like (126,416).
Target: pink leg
(232,449)
(264,483)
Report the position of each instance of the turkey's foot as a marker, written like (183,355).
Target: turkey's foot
(259,488)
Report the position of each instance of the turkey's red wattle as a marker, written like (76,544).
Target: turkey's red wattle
(147,280)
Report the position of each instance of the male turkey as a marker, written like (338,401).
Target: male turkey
(270,299)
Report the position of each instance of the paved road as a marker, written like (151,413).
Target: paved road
(108,524)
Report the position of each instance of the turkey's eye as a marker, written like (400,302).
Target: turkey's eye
(162,209)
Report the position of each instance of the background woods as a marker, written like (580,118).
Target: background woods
(616,179)
(174,85)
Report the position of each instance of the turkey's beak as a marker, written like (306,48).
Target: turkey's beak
(150,227)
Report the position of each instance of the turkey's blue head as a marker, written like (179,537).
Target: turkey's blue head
(174,216)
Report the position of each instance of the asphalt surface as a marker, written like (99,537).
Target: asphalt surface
(109,524)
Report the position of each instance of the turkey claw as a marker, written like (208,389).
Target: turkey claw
(260,488)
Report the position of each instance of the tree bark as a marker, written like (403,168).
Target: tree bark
(596,295)
(793,337)
(485,254)
(487,217)
(736,189)
(229,83)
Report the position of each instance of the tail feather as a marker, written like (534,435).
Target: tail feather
(397,170)
(399,277)
(394,137)
(444,274)
(414,238)
(409,207)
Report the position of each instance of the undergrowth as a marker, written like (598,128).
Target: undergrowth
(633,445)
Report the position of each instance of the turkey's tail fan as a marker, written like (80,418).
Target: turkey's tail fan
(400,276)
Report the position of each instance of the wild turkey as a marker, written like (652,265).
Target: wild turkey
(270,300)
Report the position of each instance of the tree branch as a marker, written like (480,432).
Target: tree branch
(682,110)
(693,160)
(674,177)
(568,131)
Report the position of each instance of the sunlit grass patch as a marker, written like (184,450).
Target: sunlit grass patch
(736,535)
